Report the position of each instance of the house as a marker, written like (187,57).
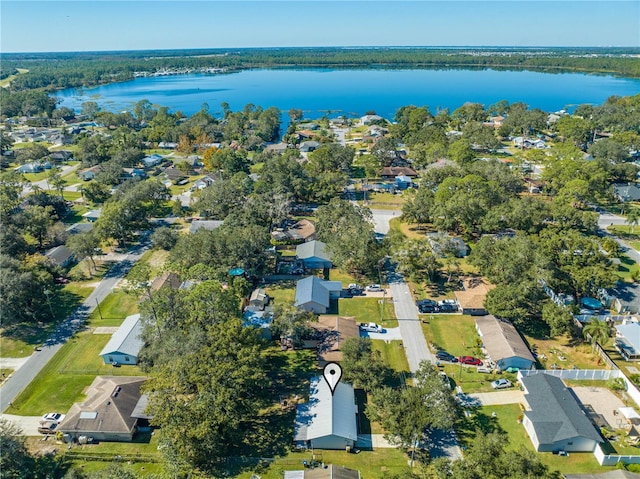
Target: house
(92,215)
(335,330)
(277,147)
(390,172)
(89,173)
(403,182)
(165,280)
(259,299)
(110,411)
(174,174)
(626,192)
(209,225)
(152,160)
(133,173)
(30,168)
(627,340)
(442,244)
(78,228)
(167,145)
(308,146)
(61,155)
(471,298)
(315,294)
(314,255)
(327,421)
(60,256)
(554,420)
(615,474)
(301,231)
(368,119)
(328,472)
(503,344)
(203,183)
(125,344)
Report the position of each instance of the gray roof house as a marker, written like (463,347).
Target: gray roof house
(555,420)
(308,146)
(314,294)
(314,255)
(125,344)
(60,256)
(204,225)
(503,344)
(92,215)
(628,192)
(627,340)
(108,412)
(30,168)
(616,474)
(327,421)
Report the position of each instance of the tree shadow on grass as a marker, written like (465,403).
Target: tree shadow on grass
(474,420)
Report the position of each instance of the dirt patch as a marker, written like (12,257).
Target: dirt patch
(604,403)
(564,353)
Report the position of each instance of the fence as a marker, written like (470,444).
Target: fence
(575,374)
(613,459)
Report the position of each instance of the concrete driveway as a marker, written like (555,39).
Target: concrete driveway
(28,424)
(390,334)
(381,219)
(507,396)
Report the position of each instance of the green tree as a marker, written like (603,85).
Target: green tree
(460,151)
(416,259)
(15,460)
(84,245)
(164,238)
(56,181)
(558,318)
(37,220)
(291,322)
(11,184)
(633,217)
(362,365)
(596,331)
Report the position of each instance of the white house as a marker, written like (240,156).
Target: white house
(554,420)
(125,344)
(627,340)
(327,421)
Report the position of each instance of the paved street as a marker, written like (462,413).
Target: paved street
(32,366)
(43,184)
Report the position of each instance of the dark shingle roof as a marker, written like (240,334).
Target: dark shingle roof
(555,413)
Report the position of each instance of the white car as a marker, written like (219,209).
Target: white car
(501,384)
(373,288)
(371,328)
(52,417)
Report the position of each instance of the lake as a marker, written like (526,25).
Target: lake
(352,92)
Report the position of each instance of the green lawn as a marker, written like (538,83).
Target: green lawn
(452,332)
(506,420)
(380,463)
(114,308)
(627,268)
(393,355)
(282,292)
(368,309)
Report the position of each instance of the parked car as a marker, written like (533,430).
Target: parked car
(373,288)
(501,384)
(52,417)
(444,302)
(47,427)
(448,308)
(470,360)
(427,306)
(371,327)
(445,356)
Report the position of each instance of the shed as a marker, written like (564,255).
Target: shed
(107,413)
(314,255)
(327,421)
(555,420)
(125,344)
(503,343)
(627,340)
(259,299)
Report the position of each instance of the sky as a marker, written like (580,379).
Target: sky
(82,25)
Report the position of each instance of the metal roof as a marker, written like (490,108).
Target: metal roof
(126,340)
(312,249)
(501,339)
(312,289)
(326,414)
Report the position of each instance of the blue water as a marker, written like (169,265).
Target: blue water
(353,92)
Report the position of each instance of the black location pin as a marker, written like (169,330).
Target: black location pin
(332,373)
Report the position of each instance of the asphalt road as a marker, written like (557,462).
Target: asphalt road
(32,366)
(44,184)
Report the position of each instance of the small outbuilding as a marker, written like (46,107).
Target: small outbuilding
(554,419)
(259,299)
(125,344)
(627,340)
(327,421)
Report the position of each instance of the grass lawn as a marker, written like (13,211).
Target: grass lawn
(565,353)
(282,292)
(368,309)
(114,308)
(506,420)
(627,268)
(393,355)
(379,463)
(336,274)
(452,332)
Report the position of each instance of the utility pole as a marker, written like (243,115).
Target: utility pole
(99,310)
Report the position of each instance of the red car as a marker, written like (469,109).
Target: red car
(470,360)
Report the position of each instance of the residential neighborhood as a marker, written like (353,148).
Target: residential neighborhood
(181,298)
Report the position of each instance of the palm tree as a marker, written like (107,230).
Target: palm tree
(633,218)
(596,331)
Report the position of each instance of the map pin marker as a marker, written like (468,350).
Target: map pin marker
(332,373)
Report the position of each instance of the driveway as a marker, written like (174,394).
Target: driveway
(22,377)
(28,424)
(390,334)
(381,219)
(508,396)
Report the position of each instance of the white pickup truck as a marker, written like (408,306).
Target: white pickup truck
(371,328)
